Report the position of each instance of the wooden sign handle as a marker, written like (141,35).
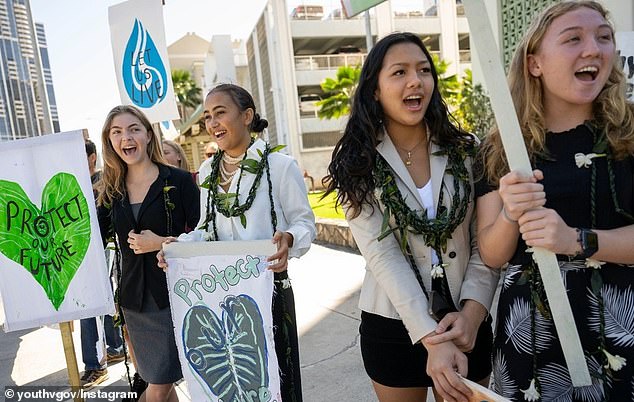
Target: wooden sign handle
(71,359)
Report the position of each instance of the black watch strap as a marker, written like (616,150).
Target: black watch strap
(589,242)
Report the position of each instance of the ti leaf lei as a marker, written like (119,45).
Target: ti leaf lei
(436,232)
(228,203)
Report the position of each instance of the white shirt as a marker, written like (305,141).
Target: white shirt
(294,214)
(427,196)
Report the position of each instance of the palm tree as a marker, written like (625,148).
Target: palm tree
(448,85)
(186,90)
(337,104)
(475,113)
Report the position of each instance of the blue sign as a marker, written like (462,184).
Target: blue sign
(143,71)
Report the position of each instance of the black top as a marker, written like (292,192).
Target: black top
(141,271)
(568,187)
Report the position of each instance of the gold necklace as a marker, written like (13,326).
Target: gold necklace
(408,160)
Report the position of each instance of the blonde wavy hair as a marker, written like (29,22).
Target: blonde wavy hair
(611,111)
(115,169)
(176,147)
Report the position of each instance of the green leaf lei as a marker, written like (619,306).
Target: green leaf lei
(169,206)
(531,275)
(436,232)
(228,203)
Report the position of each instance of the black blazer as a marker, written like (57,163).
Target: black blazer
(139,272)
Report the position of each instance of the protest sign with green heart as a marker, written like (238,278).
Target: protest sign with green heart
(50,243)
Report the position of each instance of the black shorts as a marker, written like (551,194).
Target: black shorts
(390,359)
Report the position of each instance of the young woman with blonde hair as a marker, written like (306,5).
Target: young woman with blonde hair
(174,154)
(569,93)
(143,202)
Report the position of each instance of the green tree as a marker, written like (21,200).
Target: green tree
(186,91)
(475,113)
(448,85)
(339,91)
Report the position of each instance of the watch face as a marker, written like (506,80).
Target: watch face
(589,242)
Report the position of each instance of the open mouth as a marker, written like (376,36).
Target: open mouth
(587,73)
(413,101)
(220,134)
(128,150)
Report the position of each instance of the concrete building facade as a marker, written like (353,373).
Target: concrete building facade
(27,98)
(291,53)
(220,60)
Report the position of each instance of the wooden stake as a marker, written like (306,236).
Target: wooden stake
(71,359)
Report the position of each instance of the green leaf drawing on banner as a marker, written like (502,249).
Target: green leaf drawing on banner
(49,243)
(229,355)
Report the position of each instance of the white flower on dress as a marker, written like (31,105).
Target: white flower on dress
(532,251)
(596,264)
(438,270)
(286,283)
(583,160)
(531,393)
(615,362)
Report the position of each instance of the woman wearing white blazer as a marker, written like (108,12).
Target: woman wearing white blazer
(402,172)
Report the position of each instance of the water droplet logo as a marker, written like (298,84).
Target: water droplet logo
(144,74)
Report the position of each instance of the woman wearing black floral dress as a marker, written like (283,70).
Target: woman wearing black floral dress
(579,132)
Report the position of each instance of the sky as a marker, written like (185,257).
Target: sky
(80,53)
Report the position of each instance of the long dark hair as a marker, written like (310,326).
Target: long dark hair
(350,171)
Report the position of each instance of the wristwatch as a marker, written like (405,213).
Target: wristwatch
(589,242)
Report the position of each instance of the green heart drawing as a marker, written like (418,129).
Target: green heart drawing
(49,243)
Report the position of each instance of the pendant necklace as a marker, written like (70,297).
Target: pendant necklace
(408,160)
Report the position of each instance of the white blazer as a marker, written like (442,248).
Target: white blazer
(294,214)
(390,288)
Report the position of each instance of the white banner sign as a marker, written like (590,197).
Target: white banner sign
(625,46)
(140,58)
(221,297)
(51,253)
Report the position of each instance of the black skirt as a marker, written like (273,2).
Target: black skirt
(390,359)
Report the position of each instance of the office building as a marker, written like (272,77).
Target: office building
(27,98)
(221,60)
(290,52)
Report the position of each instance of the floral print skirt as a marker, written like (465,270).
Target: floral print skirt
(528,363)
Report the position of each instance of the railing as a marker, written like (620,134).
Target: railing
(411,14)
(328,61)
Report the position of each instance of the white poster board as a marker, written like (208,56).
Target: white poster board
(140,58)
(625,48)
(221,297)
(51,253)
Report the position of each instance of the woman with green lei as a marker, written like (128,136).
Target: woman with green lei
(247,182)
(568,89)
(402,172)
